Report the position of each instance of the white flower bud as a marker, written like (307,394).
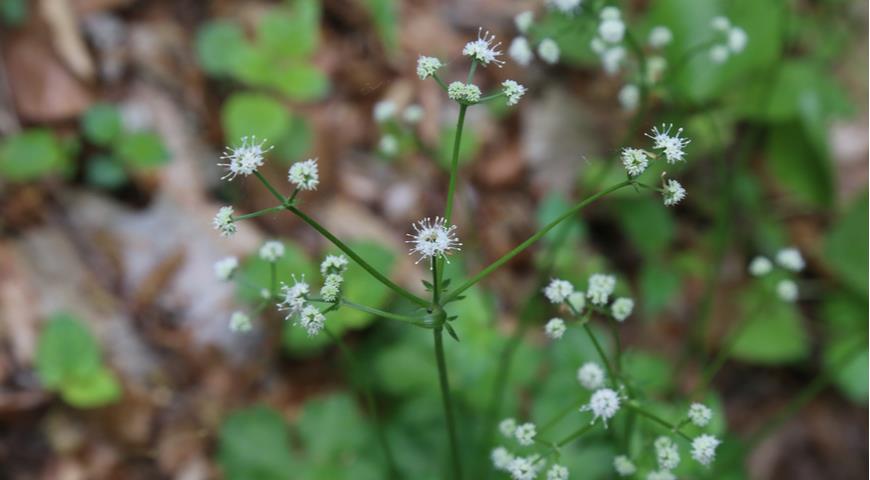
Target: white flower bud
(224,269)
(590,376)
(548,50)
(555,328)
(520,51)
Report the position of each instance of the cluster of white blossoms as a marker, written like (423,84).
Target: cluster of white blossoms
(433,239)
(672,145)
(513,91)
(623,466)
(295,297)
(700,414)
(522,467)
(599,291)
(304,175)
(240,322)
(394,122)
(608,44)
(591,376)
(521,49)
(224,268)
(244,159)
(600,288)
(484,50)
(555,328)
(667,453)
(271,251)
(704,449)
(730,39)
(603,404)
(224,222)
(332,268)
(659,37)
(789,260)
(464,93)
(427,66)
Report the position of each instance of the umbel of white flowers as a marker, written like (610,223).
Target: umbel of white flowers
(433,239)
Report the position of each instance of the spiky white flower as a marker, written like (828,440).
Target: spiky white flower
(524,468)
(507,427)
(427,66)
(271,251)
(555,328)
(612,59)
(558,290)
(548,50)
(224,222)
(622,308)
(501,458)
(760,266)
(629,97)
(791,259)
(513,91)
(564,6)
(787,290)
(623,466)
(700,414)
(577,301)
(311,320)
(520,51)
(720,23)
(704,449)
(433,239)
(304,174)
(523,20)
(634,160)
(294,296)
(413,114)
(591,376)
(557,472)
(331,287)
(384,110)
(388,145)
(465,93)
(667,453)
(240,322)
(224,268)
(737,39)
(525,434)
(244,159)
(333,264)
(673,192)
(660,36)
(484,50)
(600,288)
(611,30)
(661,475)
(603,404)
(719,53)
(673,144)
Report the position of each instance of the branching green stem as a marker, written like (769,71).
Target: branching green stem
(454,164)
(633,405)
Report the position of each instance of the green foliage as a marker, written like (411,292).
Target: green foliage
(68,361)
(255,444)
(385,18)
(800,167)
(142,150)
(101,124)
(774,333)
(13,12)
(845,245)
(30,155)
(648,224)
(257,114)
(220,46)
(105,171)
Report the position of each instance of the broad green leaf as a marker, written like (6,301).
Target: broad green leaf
(774,333)
(801,168)
(13,12)
(290,33)
(386,21)
(142,150)
(255,444)
(297,141)
(66,350)
(97,389)
(659,284)
(31,155)
(300,82)
(331,429)
(852,377)
(105,171)
(254,114)
(648,371)
(648,224)
(220,46)
(101,124)
(845,245)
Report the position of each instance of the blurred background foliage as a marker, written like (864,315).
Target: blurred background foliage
(767,169)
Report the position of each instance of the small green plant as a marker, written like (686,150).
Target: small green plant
(31,155)
(68,361)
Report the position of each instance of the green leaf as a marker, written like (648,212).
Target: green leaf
(296,142)
(97,389)
(648,224)
(30,155)
(290,33)
(659,285)
(13,12)
(254,114)
(300,82)
(255,444)
(105,171)
(66,351)
(774,333)
(220,47)
(800,167)
(101,124)
(845,245)
(852,377)
(386,21)
(330,428)
(142,150)
(649,371)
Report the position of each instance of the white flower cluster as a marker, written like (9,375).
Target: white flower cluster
(599,290)
(295,299)
(271,251)
(731,39)
(704,449)
(700,414)
(304,175)
(513,91)
(791,261)
(427,66)
(433,239)
(464,93)
(608,44)
(667,453)
(484,50)
(224,222)
(224,268)
(659,37)
(244,159)
(520,49)
(519,467)
(672,145)
(591,376)
(555,328)
(240,322)
(603,404)
(564,6)
(624,466)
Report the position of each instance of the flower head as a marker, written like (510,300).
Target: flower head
(673,192)
(557,472)
(240,322)
(555,328)
(790,258)
(737,39)
(507,427)
(413,114)
(384,110)
(501,458)
(611,30)
(660,475)
(558,290)
(224,222)
(433,239)
(600,288)
(465,93)
(427,66)
(787,290)
(271,251)
(525,434)
(311,320)
(672,144)
(244,159)
(564,6)
(700,414)
(591,376)
(623,466)
(548,50)
(523,20)
(333,264)
(610,13)
(224,268)
(603,404)
(294,296)
(304,174)
(667,453)
(634,160)
(388,145)
(760,266)
(629,97)
(520,51)
(622,308)
(513,91)
(524,468)
(720,23)
(704,449)
(719,53)
(660,36)
(611,59)
(484,50)
(331,288)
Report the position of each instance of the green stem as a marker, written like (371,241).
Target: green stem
(418,321)
(350,253)
(454,164)
(534,238)
(439,81)
(258,213)
(576,404)
(270,188)
(273,279)
(370,402)
(610,372)
(574,436)
(657,419)
(448,406)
